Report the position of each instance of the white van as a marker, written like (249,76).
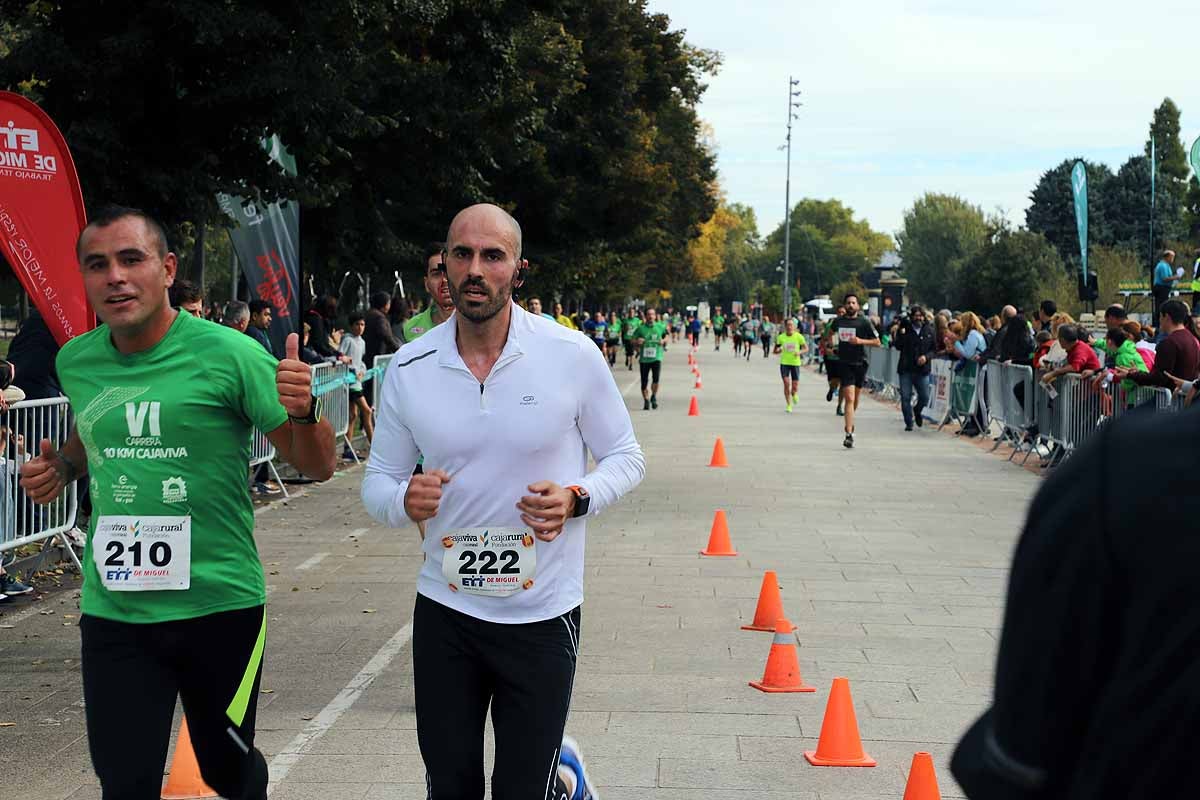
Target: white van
(820,307)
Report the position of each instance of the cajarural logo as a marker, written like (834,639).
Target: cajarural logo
(174,490)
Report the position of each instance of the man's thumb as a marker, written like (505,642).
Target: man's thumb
(48,450)
(292,347)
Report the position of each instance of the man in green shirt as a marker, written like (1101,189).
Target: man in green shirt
(173,597)
(629,327)
(651,337)
(718,325)
(790,345)
(440,305)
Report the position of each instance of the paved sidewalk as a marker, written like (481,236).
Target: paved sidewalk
(892,560)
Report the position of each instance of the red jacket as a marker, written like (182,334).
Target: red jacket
(1082,356)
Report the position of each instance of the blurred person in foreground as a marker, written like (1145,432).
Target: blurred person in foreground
(1094,695)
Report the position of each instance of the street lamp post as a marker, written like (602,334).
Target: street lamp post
(793,103)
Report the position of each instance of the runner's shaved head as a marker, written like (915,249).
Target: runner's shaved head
(490,218)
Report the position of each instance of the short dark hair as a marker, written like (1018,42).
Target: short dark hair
(1049,308)
(1068,334)
(109,214)
(259,306)
(1116,310)
(183,291)
(356,316)
(380,299)
(1177,310)
(431,249)
(849,295)
(1117,336)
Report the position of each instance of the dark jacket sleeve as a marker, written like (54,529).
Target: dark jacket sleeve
(318,338)
(380,330)
(1165,356)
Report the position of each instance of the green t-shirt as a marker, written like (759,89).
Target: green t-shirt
(167,433)
(831,353)
(651,349)
(629,327)
(418,326)
(718,323)
(791,344)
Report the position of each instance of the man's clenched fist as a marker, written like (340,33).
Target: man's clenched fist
(424,495)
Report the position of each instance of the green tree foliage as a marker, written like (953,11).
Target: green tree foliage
(941,233)
(1171,157)
(1051,209)
(576,115)
(1127,208)
(1009,268)
(828,245)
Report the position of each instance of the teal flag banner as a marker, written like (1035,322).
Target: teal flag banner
(1079,190)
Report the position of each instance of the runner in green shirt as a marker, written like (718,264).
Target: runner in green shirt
(651,338)
(165,405)
(628,328)
(440,305)
(766,334)
(790,345)
(718,325)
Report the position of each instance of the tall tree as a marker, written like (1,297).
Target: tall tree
(1126,203)
(1051,209)
(941,233)
(1169,150)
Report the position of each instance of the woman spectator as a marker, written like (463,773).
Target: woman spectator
(1145,349)
(971,341)
(941,330)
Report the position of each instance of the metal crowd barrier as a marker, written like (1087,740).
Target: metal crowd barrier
(941,377)
(23,426)
(883,372)
(1009,401)
(263,452)
(331,382)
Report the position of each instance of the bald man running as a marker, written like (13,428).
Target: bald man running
(505,491)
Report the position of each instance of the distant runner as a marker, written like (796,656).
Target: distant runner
(790,346)
(718,327)
(854,333)
(651,339)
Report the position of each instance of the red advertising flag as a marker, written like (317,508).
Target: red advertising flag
(41,215)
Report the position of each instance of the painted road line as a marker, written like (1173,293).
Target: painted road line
(289,756)
(312,562)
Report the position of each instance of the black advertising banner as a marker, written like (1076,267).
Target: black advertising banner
(267,243)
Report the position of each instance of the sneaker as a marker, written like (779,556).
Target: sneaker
(571,757)
(840,413)
(3,599)
(829,395)
(908,427)
(848,442)
(347,454)
(795,398)
(12,587)
(919,420)
(654,402)
(645,405)
(789,408)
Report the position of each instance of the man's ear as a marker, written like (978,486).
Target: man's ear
(522,273)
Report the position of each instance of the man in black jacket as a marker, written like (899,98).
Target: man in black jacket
(378,336)
(913,337)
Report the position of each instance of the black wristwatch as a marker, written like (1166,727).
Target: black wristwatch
(583,501)
(314,414)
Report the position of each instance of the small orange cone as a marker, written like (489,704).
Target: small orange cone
(839,745)
(718,539)
(184,781)
(922,779)
(698,385)
(694,408)
(770,605)
(718,456)
(783,664)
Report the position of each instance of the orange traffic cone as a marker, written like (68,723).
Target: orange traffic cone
(184,781)
(718,456)
(718,539)
(839,745)
(698,385)
(770,605)
(922,780)
(783,664)
(694,408)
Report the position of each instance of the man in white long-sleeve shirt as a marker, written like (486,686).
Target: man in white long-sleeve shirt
(505,407)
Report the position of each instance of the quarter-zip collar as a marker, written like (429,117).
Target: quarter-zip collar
(518,322)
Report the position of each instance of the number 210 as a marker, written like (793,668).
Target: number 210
(159,553)
(487,563)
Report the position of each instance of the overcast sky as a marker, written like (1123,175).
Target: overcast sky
(958,96)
